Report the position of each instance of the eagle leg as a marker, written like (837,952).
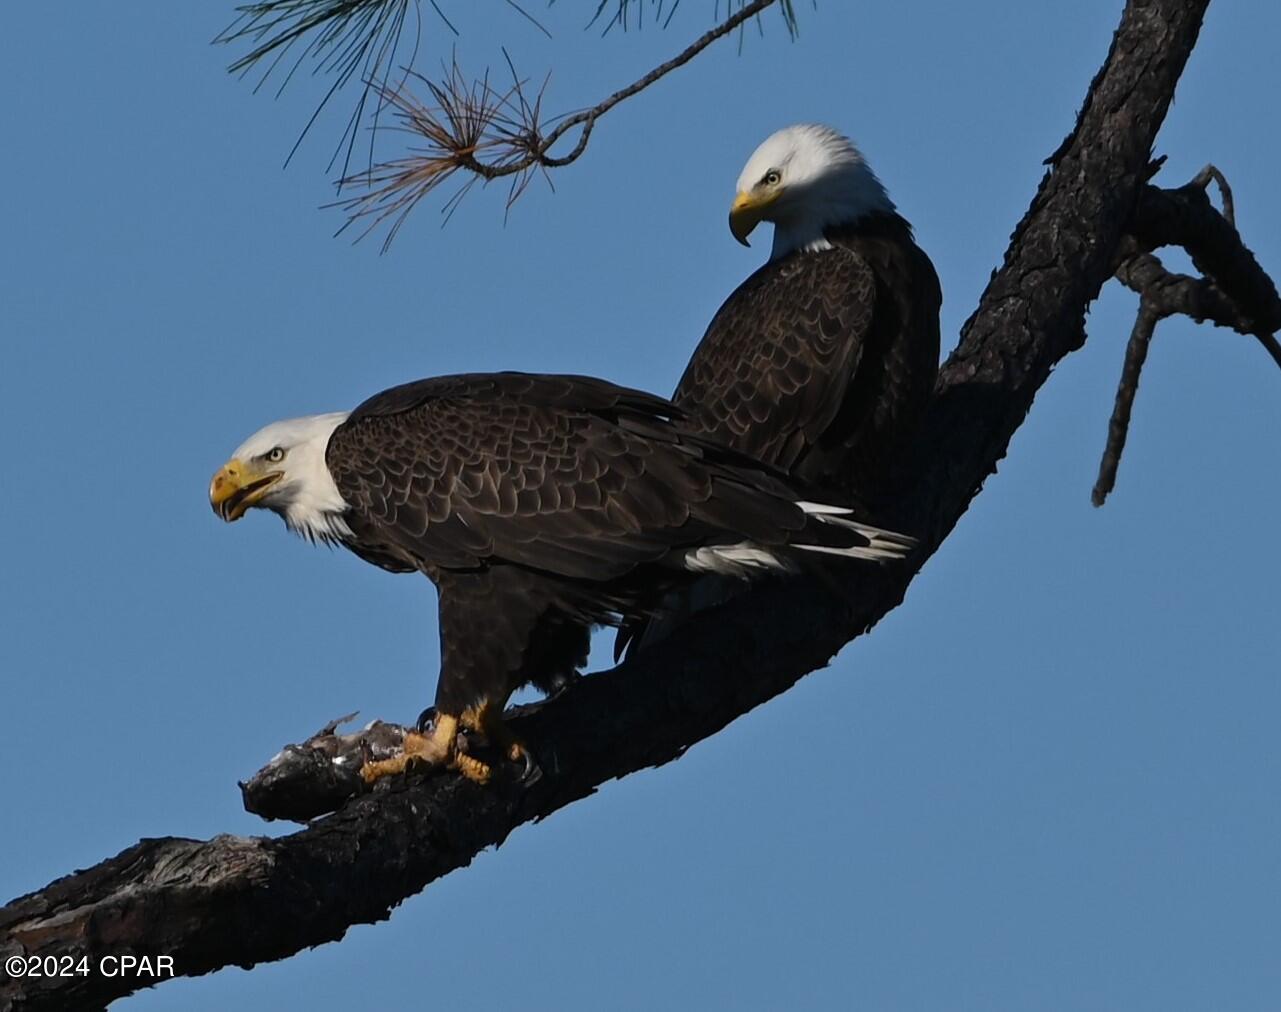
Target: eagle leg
(487,719)
(437,749)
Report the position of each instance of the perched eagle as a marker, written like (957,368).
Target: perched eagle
(821,362)
(539,506)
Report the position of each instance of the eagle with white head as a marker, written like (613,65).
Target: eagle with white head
(539,506)
(822,361)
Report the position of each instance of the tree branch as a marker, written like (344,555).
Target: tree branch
(1136,353)
(1185,217)
(344,39)
(1236,292)
(242,901)
(478,130)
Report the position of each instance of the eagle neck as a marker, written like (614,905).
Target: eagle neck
(817,238)
(312,506)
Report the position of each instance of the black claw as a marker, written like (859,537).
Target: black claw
(425,720)
(562,681)
(532,773)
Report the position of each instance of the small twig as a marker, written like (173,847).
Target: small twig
(1271,346)
(623,8)
(1202,180)
(1136,353)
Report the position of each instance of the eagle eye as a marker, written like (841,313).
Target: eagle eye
(771,178)
(275,455)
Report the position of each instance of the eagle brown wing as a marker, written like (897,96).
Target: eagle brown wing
(569,475)
(770,374)
(822,362)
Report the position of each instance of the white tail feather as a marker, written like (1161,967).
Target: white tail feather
(885,545)
(815,509)
(746,559)
(743,560)
(869,552)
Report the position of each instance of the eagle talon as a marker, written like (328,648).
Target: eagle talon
(436,749)
(562,682)
(531,773)
(486,720)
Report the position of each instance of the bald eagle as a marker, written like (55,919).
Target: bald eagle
(539,506)
(822,361)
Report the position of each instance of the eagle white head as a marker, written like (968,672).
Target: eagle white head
(281,467)
(805,178)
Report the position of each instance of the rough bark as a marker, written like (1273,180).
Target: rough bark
(243,901)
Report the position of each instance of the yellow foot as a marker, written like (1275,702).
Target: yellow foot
(417,748)
(437,749)
(472,769)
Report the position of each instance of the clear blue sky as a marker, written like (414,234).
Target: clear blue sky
(1048,781)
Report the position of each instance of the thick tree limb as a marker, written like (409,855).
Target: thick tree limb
(242,901)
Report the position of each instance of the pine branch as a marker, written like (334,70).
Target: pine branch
(342,39)
(475,129)
(631,13)
(361,40)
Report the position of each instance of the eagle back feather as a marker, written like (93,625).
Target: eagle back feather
(819,359)
(571,476)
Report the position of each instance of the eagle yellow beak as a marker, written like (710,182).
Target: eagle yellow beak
(237,486)
(748,211)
